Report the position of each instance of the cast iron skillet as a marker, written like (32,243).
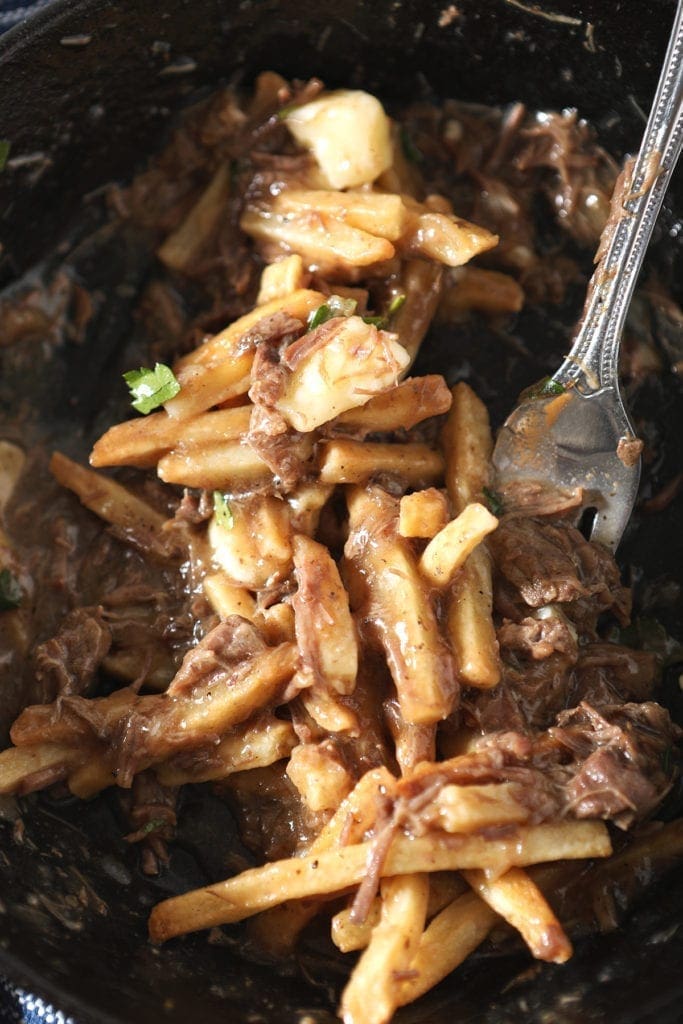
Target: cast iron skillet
(88,89)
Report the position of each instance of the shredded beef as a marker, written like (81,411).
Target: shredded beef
(539,638)
(546,562)
(222,650)
(66,663)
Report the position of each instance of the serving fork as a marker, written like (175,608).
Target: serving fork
(573,435)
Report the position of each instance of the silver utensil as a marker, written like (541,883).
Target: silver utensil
(575,436)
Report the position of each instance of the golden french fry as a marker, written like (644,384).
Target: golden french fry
(254,745)
(486,291)
(378,213)
(325,631)
(459,809)
(356,462)
(446,942)
(522,904)
(90,778)
(422,513)
(450,548)
(23,769)
(328,708)
(317,771)
(226,599)
(280,279)
(335,870)
(324,242)
(12,460)
(277,929)
(421,284)
(255,551)
(142,441)
(227,343)
(203,386)
(446,239)
(182,247)
(276,623)
(229,466)
(396,600)
(133,520)
(467,446)
(399,408)
(389,953)
(349,935)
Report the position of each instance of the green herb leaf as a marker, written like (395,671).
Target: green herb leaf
(222,511)
(5,146)
(151,388)
(152,826)
(336,305)
(667,757)
(494,501)
(545,388)
(395,304)
(10,591)
(284,112)
(375,321)
(410,150)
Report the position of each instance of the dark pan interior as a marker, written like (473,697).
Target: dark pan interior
(88,90)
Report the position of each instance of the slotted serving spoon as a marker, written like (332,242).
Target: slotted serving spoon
(575,436)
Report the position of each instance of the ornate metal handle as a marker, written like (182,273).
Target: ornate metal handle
(592,363)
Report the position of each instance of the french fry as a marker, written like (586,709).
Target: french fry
(226,599)
(467,445)
(255,551)
(183,723)
(328,709)
(395,598)
(306,504)
(421,285)
(335,870)
(133,520)
(486,291)
(324,628)
(337,367)
(470,808)
(277,929)
(276,623)
(422,513)
(90,778)
(356,462)
(378,213)
(202,387)
(399,408)
(143,441)
(12,460)
(322,241)
(280,279)
(446,942)
(389,953)
(23,769)
(229,466)
(255,745)
(349,935)
(227,344)
(450,548)
(522,904)
(317,771)
(182,247)
(446,239)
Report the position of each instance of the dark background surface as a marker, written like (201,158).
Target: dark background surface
(87,91)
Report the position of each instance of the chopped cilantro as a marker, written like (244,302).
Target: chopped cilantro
(222,511)
(284,112)
(383,321)
(410,150)
(667,755)
(151,388)
(494,500)
(152,826)
(5,146)
(10,591)
(545,388)
(335,306)
(395,304)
